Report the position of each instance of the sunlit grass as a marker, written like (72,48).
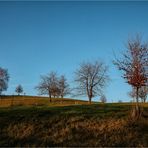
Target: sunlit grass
(6,101)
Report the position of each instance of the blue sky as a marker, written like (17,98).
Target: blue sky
(39,37)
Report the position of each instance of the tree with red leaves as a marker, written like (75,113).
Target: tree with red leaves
(134,64)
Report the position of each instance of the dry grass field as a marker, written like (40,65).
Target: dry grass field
(69,125)
(7,101)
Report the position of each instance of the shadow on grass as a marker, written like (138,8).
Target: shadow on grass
(77,125)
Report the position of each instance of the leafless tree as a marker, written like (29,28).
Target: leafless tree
(63,86)
(53,86)
(91,78)
(103,99)
(19,89)
(132,94)
(134,65)
(143,92)
(48,85)
(4,78)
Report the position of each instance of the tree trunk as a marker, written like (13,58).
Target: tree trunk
(0,98)
(144,99)
(50,97)
(136,111)
(137,95)
(89,100)
(90,95)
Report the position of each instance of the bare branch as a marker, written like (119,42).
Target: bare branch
(91,79)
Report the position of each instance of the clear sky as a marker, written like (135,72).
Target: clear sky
(39,37)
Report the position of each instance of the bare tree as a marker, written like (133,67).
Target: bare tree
(48,85)
(143,92)
(19,89)
(103,99)
(44,86)
(91,78)
(53,86)
(63,86)
(4,78)
(134,65)
(132,93)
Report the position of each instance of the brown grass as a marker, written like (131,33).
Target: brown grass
(6,101)
(20,130)
(77,133)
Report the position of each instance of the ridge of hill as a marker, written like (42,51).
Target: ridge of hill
(20,100)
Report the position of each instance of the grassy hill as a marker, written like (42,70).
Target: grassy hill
(6,101)
(72,125)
